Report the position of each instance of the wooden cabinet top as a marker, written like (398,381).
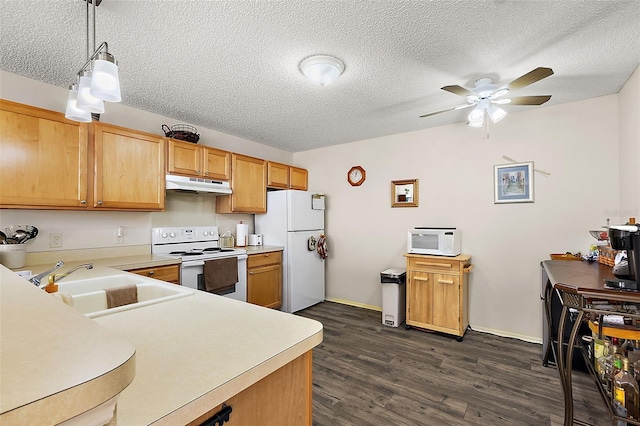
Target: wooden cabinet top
(459,258)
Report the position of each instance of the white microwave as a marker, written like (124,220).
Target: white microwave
(435,241)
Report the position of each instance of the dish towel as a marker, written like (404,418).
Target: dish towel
(120,296)
(220,275)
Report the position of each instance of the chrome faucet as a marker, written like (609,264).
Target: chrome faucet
(58,277)
(36,280)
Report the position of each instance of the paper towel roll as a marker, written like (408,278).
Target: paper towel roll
(242,234)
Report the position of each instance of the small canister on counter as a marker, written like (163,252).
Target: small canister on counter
(13,255)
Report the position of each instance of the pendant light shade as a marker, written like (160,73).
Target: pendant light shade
(73,112)
(105,83)
(86,101)
(322,70)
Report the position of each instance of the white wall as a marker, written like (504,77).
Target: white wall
(97,229)
(629,110)
(577,143)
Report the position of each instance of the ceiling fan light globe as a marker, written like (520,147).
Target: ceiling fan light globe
(476,124)
(496,113)
(477,115)
(500,92)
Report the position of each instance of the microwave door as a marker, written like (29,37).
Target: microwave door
(425,242)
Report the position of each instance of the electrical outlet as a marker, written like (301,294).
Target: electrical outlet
(55,240)
(120,235)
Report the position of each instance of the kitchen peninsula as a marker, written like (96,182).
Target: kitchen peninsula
(191,355)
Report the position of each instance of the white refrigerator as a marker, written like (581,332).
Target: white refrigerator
(291,222)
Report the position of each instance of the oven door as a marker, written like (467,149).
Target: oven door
(192,277)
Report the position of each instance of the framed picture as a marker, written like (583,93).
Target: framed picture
(513,183)
(404,193)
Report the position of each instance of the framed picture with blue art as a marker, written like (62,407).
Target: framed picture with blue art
(513,183)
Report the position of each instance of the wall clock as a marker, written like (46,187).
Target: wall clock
(356,176)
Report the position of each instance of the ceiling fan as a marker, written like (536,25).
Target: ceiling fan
(485,96)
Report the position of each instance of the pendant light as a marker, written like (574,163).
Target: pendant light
(73,112)
(98,79)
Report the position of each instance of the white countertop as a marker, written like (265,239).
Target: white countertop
(55,363)
(192,353)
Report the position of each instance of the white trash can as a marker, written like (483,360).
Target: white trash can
(393,296)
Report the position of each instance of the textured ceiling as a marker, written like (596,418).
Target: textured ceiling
(232,65)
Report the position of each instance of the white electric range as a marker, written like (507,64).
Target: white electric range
(193,245)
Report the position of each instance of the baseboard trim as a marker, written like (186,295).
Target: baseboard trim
(503,333)
(356,304)
(500,333)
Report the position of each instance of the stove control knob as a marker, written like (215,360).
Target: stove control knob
(172,235)
(205,233)
(164,235)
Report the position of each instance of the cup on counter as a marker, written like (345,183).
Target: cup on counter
(13,255)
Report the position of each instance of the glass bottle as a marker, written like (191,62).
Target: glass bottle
(604,366)
(626,393)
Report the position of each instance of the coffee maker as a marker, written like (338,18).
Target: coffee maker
(626,237)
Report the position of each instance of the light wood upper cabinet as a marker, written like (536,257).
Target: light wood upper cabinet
(277,175)
(129,169)
(188,159)
(298,178)
(249,186)
(43,158)
(283,176)
(217,163)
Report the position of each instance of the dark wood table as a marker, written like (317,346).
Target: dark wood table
(578,284)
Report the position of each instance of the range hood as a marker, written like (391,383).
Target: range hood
(199,185)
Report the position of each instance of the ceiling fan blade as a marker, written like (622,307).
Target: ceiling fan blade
(530,78)
(530,100)
(447,110)
(458,90)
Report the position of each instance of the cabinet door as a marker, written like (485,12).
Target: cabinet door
(249,186)
(169,274)
(184,158)
(420,297)
(298,178)
(217,164)
(264,286)
(43,158)
(129,169)
(446,301)
(277,175)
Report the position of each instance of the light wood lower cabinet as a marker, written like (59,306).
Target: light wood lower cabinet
(170,273)
(437,293)
(264,279)
(283,398)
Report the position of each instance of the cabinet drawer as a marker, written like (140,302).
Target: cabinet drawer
(430,264)
(262,259)
(169,273)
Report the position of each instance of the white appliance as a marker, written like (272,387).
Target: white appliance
(434,241)
(291,222)
(194,245)
(199,185)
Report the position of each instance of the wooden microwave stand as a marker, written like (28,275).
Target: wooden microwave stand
(437,293)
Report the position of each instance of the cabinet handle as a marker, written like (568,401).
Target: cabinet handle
(251,273)
(421,278)
(152,272)
(206,173)
(83,201)
(198,171)
(445,281)
(467,269)
(442,265)
(99,203)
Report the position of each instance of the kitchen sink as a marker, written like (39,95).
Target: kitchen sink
(89,297)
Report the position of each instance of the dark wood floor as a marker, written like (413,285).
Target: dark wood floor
(366,373)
